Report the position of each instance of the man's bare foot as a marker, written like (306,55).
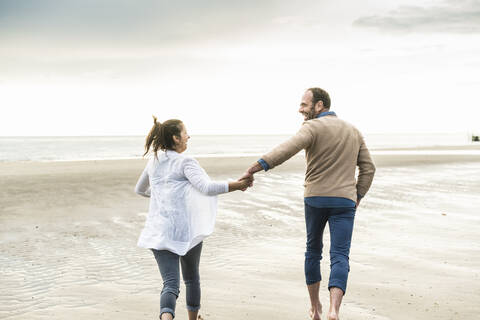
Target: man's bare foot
(316,313)
(332,315)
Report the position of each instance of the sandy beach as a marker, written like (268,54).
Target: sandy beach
(68,233)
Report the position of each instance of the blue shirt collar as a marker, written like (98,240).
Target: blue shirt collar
(326,113)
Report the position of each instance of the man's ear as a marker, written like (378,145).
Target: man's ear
(319,106)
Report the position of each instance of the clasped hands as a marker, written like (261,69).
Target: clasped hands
(247,178)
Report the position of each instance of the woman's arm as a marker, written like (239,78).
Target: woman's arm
(201,181)
(143,185)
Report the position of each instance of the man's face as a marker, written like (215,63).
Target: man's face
(306,108)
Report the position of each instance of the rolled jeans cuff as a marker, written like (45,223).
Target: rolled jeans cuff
(312,281)
(338,284)
(193,309)
(167,310)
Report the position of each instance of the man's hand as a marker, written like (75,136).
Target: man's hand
(255,167)
(247,176)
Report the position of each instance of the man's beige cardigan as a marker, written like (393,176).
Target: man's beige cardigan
(333,149)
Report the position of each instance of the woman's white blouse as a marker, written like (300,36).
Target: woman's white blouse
(183,203)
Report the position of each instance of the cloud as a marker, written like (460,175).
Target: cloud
(130,22)
(452,16)
(72,37)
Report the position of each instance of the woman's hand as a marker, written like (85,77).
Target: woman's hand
(241,184)
(246,182)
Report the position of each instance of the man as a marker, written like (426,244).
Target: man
(334,149)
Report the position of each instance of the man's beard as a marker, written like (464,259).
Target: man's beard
(311,114)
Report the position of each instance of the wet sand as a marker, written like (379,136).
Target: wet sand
(68,233)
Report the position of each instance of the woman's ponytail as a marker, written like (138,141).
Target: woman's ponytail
(154,136)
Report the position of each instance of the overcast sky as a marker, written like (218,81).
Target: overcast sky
(103,67)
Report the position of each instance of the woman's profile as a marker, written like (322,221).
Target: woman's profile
(181,213)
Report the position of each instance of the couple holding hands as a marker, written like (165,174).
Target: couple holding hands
(182,205)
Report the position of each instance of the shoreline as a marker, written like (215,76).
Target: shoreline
(471,149)
(218,164)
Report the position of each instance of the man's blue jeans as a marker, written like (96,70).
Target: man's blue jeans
(340,223)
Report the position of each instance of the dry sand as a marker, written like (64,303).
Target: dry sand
(68,233)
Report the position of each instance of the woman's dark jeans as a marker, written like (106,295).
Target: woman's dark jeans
(340,223)
(169,269)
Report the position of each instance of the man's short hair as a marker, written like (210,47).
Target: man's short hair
(320,95)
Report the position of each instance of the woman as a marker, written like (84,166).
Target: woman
(181,213)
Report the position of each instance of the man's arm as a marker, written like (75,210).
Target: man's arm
(366,171)
(255,167)
(282,152)
(301,140)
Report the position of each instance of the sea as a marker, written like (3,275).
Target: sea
(77,148)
